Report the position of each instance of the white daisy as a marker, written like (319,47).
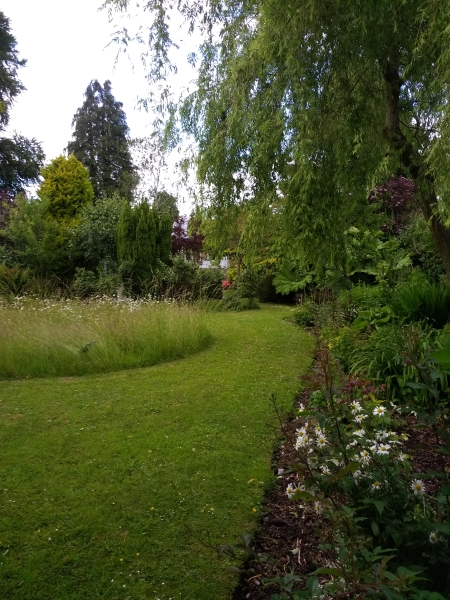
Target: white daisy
(325,470)
(359,432)
(290,490)
(360,418)
(356,407)
(434,537)
(321,441)
(365,457)
(379,411)
(376,485)
(383,449)
(418,487)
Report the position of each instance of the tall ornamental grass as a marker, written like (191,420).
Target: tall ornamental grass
(72,337)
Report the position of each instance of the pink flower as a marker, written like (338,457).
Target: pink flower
(225,284)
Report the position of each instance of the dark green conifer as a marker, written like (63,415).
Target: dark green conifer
(101,142)
(126,234)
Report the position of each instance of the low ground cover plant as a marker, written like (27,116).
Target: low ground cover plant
(74,337)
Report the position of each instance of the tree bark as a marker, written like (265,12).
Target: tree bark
(413,164)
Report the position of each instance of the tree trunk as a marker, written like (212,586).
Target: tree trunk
(440,233)
(413,164)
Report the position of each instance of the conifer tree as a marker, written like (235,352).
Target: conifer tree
(20,158)
(164,237)
(145,243)
(126,234)
(66,187)
(101,142)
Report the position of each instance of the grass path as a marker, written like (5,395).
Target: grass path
(100,474)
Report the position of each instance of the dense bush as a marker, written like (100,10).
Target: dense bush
(420,299)
(304,315)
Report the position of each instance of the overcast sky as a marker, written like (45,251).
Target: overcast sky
(65,45)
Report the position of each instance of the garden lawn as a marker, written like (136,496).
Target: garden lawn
(109,481)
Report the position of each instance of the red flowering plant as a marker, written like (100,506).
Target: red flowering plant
(226,284)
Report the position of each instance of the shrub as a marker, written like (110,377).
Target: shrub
(420,299)
(304,316)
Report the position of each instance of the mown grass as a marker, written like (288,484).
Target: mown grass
(70,337)
(109,481)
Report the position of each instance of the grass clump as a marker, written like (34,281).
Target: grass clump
(72,337)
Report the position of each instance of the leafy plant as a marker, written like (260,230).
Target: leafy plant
(287,281)
(374,318)
(420,299)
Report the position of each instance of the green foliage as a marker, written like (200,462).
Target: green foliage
(37,241)
(417,238)
(101,143)
(164,224)
(126,234)
(304,315)
(352,470)
(20,158)
(287,281)
(89,283)
(66,188)
(185,280)
(94,236)
(144,247)
(166,203)
(13,280)
(284,120)
(374,318)
(420,299)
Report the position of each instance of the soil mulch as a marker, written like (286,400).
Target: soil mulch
(285,527)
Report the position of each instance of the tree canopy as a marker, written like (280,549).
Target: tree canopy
(100,142)
(312,105)
(20,158)
(65,187)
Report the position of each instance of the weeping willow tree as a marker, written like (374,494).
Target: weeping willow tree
(308,104)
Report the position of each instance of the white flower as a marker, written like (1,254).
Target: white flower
(418,487)
(321,441)
(359,419)
(302,441)
(318,429)
(357,474)
(301,431)
(356,407)
(359,432)
(434,537)
(352,444)
(301,408)
(335,461)
(325,470)
(318,507)
(290,490)
(376,485)
(365,457)
(401,457)
(383,449)
(373,448)
(379,411)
